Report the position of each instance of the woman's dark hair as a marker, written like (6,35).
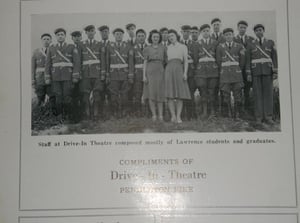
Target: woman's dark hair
(175,32)
(154,31)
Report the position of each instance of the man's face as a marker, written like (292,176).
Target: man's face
(46,41)
(228,36)
(90,33)
(104,34)
(164,35)
(259,32)
(185,34)
(141,37)
(242,29)
(60,36)
(118,36)
(77,39)
(195,34)
(217,27)
(131,31)
(205,33)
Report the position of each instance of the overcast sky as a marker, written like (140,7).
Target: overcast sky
(49,22)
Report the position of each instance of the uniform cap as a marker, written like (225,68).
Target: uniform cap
(45,34)
(204,26)
(104,27)
(258,26)
(59,30)
(215,20)
(185,27)
(140,31)
(242,22)
(118,30)
(194,28)
(228,30)
(128,26)
(76,33)
(89,27)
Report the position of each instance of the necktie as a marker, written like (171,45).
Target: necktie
(242,39)
(91,42)
(217,36)
(260,41)
(142,47)
(185,42)
(229,45)
(46,50)
(131,41)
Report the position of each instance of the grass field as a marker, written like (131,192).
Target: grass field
(49,126)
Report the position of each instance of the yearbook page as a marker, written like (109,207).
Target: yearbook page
(149,111)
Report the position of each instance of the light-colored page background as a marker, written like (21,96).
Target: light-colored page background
(55,177)
(10,100)
(230,218)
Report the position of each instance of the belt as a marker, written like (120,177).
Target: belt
(62,64)
(118,66)
(90,62)
(40,69)
(229,63)
(262,60)
(139,65)
(207,59)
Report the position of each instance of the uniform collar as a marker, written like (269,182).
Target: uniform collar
(61,44)
(215,33)
(229,44)
(90,41)
(206,40)
(262,39)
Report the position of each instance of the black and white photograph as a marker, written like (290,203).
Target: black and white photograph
(172,72)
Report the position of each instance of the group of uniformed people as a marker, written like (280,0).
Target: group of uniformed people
(82,78)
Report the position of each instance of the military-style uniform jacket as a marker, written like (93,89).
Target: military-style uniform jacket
(247,40)
(79,47)
(192,47)
(206,65)
(138,61)
(38,62)
(262,59)
(131,42)
(220,38)
(120,61)
(93,59)
(103,47)
(231,61)
(62,63)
